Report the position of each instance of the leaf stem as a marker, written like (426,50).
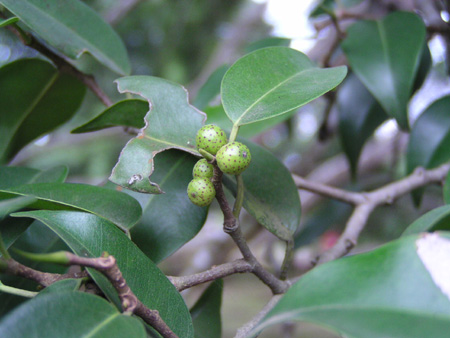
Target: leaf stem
(234,132)
(3,250)
(17,292)
(239,197)
(287,259)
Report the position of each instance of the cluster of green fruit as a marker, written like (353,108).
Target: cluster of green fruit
(232,158)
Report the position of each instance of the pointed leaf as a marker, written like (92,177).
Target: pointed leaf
(73,29)
(273,81)
(385,55)
(169,220)
(206,312)
(359,116)
(29,109)
(430,137)
(69,314)
(171,123)
(127,113)
(397,290)
(270,194)
(89,235)
(436,219)
(211,88)
(117,207)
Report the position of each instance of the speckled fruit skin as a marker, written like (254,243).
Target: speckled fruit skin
(201,191)
(233,158)
(211,138)
(203,169)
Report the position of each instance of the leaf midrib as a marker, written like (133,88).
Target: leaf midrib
(267,93)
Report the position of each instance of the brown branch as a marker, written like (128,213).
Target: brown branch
(62,64)
(12,267)
(216,272)
(231,227)
(371,200)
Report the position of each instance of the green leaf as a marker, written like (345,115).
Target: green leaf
(206,312)
(10,205)
(65,285)
(447,189)
(267,42)
(270,194)
(37,238)
(216,115)
(171,123)
(127,113)
(117,207)
(9,21)
(385,55)
(69,314)
(436,219)
(89,235)
(393,291)
(272,81)
(29,109)
(73,29)
(429,140)
(359,116)
(169,220)
(211,88)
(12,176)
(430,137)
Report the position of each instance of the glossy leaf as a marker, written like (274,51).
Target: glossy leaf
(272,81)
(211,88)
(447,189)
(37,238)
(170,123)
(385,55)
(65,285)
(126,113)
(9,21)
(73,29)
(69,314)
(436,219)
(89,235)
(359,116)
(29,109)
(270,194)
(169,220)
(393,291)
(430,137)
(117,207)
(206,312)
(216,115)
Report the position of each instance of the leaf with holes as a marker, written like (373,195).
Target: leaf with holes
(171,123)
(273,81)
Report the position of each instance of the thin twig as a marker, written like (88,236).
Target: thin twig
(371,200)
(329,191)
(62,64)
(216,272)
(231,227)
